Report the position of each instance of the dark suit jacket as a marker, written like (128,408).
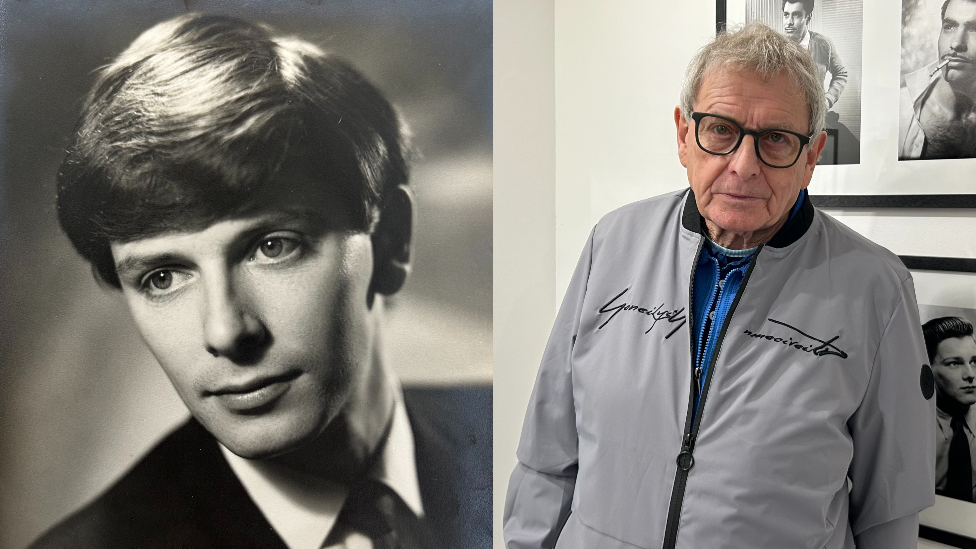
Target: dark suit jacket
(184,494)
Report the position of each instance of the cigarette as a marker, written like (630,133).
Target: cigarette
(939,68)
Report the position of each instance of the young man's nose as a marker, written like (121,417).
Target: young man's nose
(969,373)
(231,329)
(958,43)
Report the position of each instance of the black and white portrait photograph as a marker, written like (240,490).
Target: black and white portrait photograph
(947,311)
(951,347)
(831,31)
(937,116)
(246,299)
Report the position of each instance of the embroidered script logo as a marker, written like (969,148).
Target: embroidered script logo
(818,347)
(657,313)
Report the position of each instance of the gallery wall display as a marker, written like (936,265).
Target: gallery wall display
(948,298)
(900,69)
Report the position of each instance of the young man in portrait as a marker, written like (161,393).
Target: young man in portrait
(938,102)
(796,19)
(952,353)
(248,195)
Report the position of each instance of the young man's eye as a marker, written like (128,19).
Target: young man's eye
(162,281)
(276,248)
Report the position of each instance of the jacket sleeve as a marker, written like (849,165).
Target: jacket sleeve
(540,490)
(893,468)
(838,75)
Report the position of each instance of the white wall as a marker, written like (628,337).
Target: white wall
(524,216)
(618,74)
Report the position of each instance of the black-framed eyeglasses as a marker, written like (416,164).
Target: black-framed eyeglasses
(721,136)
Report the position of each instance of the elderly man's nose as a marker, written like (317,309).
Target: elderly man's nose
(745,162)
(230,330)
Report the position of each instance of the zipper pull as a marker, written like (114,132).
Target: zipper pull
(685,459)
(698,374)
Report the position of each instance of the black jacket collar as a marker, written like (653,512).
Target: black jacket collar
(692,220)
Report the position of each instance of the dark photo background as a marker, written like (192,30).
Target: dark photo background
(80,397)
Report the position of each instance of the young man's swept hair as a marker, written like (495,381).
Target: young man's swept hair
(199,114)
(807,5)
(939,329)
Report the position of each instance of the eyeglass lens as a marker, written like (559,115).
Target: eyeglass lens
(720,136)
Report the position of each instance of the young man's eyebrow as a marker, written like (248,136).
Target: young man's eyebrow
(285,214)
(321,221)
(139,263)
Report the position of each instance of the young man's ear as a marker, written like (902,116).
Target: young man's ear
(392,241)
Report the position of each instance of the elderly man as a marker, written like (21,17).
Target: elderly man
(796,18)
(727,356)
(938,101)
(952,350)
(247,193)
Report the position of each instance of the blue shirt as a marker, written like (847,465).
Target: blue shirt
(718,276)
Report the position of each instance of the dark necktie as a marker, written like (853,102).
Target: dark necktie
(369,510)
(959,481)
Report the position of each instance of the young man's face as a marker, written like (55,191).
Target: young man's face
(957,44)
(795,20)
(954,367)
(261,322)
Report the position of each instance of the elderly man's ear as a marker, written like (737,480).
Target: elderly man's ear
(813,154)
(682,126)
(392,241)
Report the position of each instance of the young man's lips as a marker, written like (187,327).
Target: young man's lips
(255,393)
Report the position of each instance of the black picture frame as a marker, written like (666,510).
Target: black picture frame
(946,538)
(950,264)
(869,201)
(894,200)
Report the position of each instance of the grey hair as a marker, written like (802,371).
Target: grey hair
(760,49)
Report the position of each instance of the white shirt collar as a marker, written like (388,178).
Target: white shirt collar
(805,41)
(303,509)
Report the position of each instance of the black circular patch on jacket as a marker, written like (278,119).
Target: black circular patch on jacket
(927,380)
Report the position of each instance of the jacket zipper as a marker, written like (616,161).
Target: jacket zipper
(686,457)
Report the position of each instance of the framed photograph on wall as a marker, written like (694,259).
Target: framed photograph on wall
(947,305)
(831,31)
(322,106)
(886,97)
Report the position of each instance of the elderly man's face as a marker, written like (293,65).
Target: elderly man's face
(957,43)
(954,367)
(262,322)
(795,20)
(737,193)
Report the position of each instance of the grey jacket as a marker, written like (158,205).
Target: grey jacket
(816,379)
